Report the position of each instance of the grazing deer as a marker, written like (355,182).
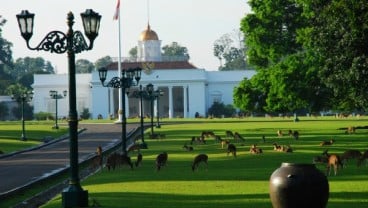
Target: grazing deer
(332,160)
(229,134)
(287,149)
(279,133)
(231,149)
(320,159)
(238,137)
(134,147)
(218,139)
(97,159)
(350,154)
(208,134)
(255,150)
(277,147)
(363,158)
(350,130)
(294,134)
(161,160)
(324,143)
(201,158)
(116,159)
(188,148)
(139,159)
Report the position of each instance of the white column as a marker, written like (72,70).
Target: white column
(185,100)
(171,108)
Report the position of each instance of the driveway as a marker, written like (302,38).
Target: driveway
(21,169)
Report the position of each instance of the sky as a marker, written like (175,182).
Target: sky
(194,24)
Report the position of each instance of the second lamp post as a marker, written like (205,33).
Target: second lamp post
(128,78)
(56,96)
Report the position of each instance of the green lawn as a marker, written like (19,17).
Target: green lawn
(230,182)
(35,131)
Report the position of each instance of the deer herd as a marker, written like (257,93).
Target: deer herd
(331,160)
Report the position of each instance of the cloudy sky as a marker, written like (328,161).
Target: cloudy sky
(195,24)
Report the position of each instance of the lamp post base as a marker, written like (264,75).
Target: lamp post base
(74,196)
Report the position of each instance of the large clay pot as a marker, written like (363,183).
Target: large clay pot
(298,186)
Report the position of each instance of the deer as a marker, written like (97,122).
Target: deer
(363,158)
(287,149)
(324,143)
(279,133)
(116,159)
(188,148)
(277,147)
(255,150)
(238,137)
(139,159)
(201,158)
(231,148)
(333,160)
(350,154)
(294,134)
(161,160)
(97,159)
(229,134)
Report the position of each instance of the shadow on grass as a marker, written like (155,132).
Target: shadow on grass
(143,200)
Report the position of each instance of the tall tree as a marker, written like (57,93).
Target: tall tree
(102,62)
(339,37)
(231,49)
(273,48)
(84,66)
(6,60)
(176,50)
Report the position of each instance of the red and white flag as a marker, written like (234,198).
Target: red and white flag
(117,11)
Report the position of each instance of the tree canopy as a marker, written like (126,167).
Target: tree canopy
(230,48)
(309,55)
(175,49)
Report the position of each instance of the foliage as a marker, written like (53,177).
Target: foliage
(6,59)
(84,66)
(85,114)
(4,111)
(231,49)
(271,31)
(42,116)
(339,37)
(219,110)
(174,49)
(28,111)
(247,97)
(103,62)
(133,53)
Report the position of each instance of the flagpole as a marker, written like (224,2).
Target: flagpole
(120,111)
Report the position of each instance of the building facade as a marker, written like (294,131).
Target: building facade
(187,90)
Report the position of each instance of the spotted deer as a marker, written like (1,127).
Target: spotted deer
(363,158)
(333,160)
(324,143)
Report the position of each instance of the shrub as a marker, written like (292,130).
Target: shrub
(219,110)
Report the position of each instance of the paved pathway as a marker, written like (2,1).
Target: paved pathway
(23,168)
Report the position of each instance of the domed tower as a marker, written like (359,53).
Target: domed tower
(149,46)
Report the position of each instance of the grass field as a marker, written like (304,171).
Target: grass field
(230,182)
(35,131)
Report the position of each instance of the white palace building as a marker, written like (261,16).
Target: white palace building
(187,90)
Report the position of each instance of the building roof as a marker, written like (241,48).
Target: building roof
(172,65)
(148,34)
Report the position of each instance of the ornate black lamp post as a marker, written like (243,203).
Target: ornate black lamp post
(140,94)
(23,98)
(128,78)
(71,42)
(158,94)
(56,96)
(151,96)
